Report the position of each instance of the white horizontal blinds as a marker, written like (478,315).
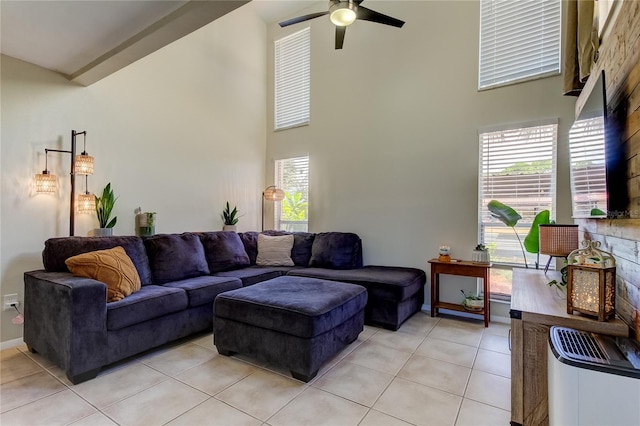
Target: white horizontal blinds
(588,172)
(517,168)
(519,40)
(292,84)
(292,176)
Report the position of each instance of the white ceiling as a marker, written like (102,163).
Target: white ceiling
(89,39)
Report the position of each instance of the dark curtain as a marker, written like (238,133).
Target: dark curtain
(581,45)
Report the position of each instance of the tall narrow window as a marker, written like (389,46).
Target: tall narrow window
(292,84)
(292,176)
(519,40)
(518,168)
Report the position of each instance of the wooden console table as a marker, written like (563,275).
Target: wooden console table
(461,268)
(535,307)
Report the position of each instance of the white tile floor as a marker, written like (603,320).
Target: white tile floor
(433,371)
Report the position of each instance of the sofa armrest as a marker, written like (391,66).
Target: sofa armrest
(66,321)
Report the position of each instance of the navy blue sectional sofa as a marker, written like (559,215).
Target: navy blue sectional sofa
(68,320)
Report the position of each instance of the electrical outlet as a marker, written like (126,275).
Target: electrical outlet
(9,301)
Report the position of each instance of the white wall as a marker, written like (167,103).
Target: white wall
(393,139)
(178,132)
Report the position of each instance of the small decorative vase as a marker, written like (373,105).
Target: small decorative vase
(145,224)
(232,228)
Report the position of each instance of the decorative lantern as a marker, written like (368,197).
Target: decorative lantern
(591,276)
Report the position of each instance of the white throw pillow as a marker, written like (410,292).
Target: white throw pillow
(274,251)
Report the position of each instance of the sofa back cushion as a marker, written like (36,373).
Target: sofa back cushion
(250,243)
(58,250)
(174,257)
(336,250)
(224,251)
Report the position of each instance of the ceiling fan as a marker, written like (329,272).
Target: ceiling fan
(343,14)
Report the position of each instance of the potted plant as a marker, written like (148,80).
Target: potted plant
(104,207)
(472,302)
(229,218)
(145,224)
(510,217)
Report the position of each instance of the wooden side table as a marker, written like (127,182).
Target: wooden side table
(462,268)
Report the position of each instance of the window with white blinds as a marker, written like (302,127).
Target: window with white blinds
(292,176)
(292,84)
(519,40)
(588,171)
(518,168)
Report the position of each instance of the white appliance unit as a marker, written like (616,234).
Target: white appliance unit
(593,379)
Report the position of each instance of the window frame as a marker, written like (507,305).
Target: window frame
(544,38)
(502,159)
(279,179)
(292,80)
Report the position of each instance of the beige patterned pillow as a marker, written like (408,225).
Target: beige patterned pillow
(274,251)
(112,267)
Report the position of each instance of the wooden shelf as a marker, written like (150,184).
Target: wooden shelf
(535,307)
(463,268)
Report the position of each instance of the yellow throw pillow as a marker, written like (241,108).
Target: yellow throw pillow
(112,267)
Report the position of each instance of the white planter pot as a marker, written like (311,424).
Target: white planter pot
(103,232)
(232,228)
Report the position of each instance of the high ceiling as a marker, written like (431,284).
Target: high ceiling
(88,40)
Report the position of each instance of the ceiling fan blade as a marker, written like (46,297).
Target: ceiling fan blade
(302,18)
(373,16)
(340,31)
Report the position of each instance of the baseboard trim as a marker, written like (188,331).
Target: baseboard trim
(494,318)
(11,343)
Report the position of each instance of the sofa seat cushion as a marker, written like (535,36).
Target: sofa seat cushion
(202,290)
(152,301)
(255,274)
(299,306)
(386,282)
(224,251)
(336,250)
(58,250)
(175,257)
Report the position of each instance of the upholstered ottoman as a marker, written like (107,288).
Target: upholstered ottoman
(295,322)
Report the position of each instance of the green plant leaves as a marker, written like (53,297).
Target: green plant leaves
(229,217)
(504,213)
(532,240)
(104,207)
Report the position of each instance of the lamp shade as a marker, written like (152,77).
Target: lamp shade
(46,183)
(273,194)
(558,240)
(86,203)
(343,13)
(84,164)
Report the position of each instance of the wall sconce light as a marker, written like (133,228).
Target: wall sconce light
(557,241)
(271,193)
(591,286)
(81,164)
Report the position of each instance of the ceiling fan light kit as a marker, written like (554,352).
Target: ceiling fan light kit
(345,13)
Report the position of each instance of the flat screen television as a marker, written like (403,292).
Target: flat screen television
(597,166)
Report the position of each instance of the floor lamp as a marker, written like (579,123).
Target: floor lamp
(80,165)
(271,193)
